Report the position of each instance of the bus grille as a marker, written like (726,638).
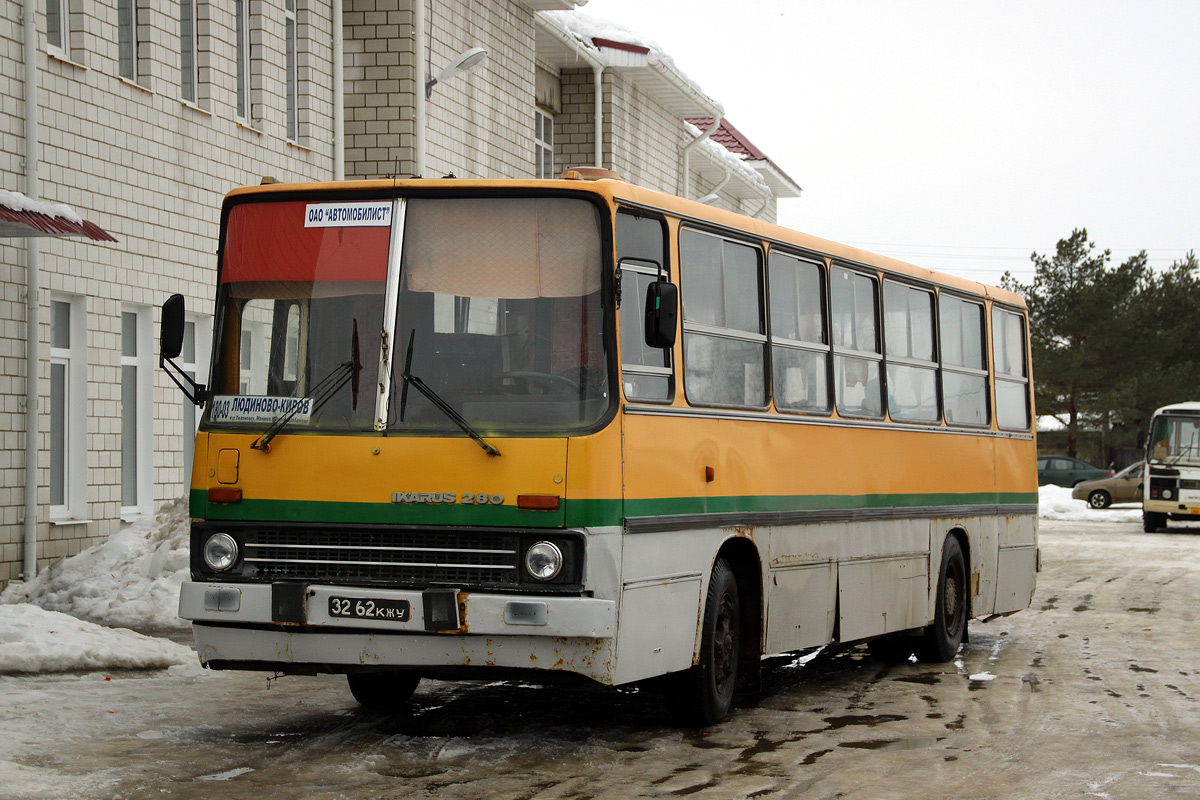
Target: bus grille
(375,557)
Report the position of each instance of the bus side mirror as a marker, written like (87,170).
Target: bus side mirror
(1141,440)
(170,338)
(662,313)
(170,345)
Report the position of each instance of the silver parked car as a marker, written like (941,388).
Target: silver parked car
(1124,487)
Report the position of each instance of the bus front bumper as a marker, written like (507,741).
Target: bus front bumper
(243,625)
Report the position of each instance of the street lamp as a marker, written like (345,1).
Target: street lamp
(465,61)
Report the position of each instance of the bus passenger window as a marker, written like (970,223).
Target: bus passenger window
(964,372)
(799,346)
(856,384)
(1012,377)
(723,332)
(646,372)
(911,369)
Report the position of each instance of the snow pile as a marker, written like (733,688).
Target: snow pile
(130,580)
(35,640)
(19,202)
(1055,502)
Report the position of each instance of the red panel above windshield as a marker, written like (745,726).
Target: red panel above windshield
(303,241)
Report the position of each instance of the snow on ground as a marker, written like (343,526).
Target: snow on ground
(73,615)
(1055,502)
(33,639)
(130,580)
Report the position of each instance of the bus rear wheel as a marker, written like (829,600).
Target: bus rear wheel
(703,694)
(943,638)
(383,691)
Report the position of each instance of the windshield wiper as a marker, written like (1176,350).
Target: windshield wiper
(322,393)
(408,378)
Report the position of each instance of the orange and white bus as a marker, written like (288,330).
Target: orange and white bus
(462,428)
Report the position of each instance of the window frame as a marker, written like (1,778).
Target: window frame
(127,38)
(142,444)
(242,63)
(1006,379)
(784,343)
(843,352)
(640,264)
(691,328)
(908,360)
(291,83)
(960,369)
(189,45)
(72,358)
(543,147)
(59,45)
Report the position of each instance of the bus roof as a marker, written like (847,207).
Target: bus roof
(618,190)
(1189,407)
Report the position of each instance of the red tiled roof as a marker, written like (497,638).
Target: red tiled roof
(22,223)
(731,138)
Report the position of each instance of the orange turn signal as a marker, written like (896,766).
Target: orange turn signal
(225,494)
(537,502)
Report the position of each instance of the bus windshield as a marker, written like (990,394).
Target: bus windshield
(1176,439)
(498,315)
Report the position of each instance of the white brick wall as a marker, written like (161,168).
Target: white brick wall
(151,170)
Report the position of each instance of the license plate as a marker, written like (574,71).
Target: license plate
(369,608)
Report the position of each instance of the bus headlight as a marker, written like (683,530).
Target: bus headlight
(1167,494)
(544,561)
(220,552)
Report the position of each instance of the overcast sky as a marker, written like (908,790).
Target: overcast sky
(960,136)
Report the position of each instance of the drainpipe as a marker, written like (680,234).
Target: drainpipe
(419,81)
(29,551)
(339,95)
(718,113)
(598,112)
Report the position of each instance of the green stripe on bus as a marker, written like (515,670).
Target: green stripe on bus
(576,513)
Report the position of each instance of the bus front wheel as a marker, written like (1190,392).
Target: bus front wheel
(383,691)
(1152,521)
(943,638)
(703,694)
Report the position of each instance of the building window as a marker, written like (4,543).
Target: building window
(193,360)
(137,424)
(289,15)
(58,31)
(188,49)
(724,343)
(543,143)
(854,304)
(68,408)
(241,33)
(127,39)
(799,344)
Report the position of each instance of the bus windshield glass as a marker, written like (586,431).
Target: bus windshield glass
(498,314)
(1176,439)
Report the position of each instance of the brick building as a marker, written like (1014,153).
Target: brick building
(148,112)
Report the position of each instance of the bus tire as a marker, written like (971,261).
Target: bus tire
(703,694)
(383,691)
(1152,521)
(943,638)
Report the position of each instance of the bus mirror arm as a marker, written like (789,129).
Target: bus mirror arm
(662,313)
(170,345)
(197,393)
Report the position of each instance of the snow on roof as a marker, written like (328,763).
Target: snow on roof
(23,216)
(725,157)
